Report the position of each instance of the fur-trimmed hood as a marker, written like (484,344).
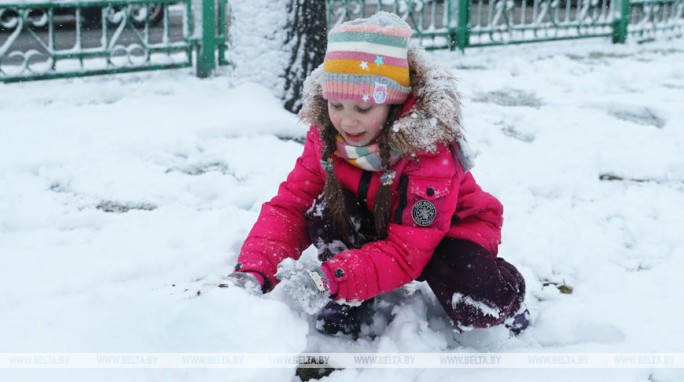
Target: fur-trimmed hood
(435,118)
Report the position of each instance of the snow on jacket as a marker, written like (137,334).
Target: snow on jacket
(434,168)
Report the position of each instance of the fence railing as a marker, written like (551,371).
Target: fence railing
(67,39)
(56,39)
(504,22)
(647,18)
(471,23)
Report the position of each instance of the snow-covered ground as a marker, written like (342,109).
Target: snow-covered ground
(122,196)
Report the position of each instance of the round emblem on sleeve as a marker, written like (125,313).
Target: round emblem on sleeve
(423,213)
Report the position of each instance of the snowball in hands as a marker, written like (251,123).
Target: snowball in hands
(308,288)
(244,281)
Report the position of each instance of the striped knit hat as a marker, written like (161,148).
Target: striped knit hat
(366,60)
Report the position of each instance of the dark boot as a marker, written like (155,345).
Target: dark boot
(337,318)
(519,322)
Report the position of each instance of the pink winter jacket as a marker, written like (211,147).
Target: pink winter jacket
(463,210)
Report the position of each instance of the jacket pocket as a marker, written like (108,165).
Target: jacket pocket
(429,188)
(421,201)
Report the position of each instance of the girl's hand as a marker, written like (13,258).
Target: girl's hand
(244,280)
(309,288)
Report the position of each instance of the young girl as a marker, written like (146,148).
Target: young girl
(383,191)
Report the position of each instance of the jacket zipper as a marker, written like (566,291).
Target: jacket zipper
(403,198)
(364,184)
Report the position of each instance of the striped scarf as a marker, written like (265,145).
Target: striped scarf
(364,157)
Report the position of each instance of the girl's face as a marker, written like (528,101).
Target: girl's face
(359,123)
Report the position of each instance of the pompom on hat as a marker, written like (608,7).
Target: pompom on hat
(366,60)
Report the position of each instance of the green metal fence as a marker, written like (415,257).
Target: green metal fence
(648,18)
(472,23)
(65,39)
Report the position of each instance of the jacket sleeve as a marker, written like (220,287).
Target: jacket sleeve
(280,230)
(424,203)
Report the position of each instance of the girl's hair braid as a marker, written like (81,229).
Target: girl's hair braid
(383,198)
(334,197)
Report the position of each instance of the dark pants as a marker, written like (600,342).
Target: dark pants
(475,288)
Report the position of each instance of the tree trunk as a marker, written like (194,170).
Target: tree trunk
(307,35)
